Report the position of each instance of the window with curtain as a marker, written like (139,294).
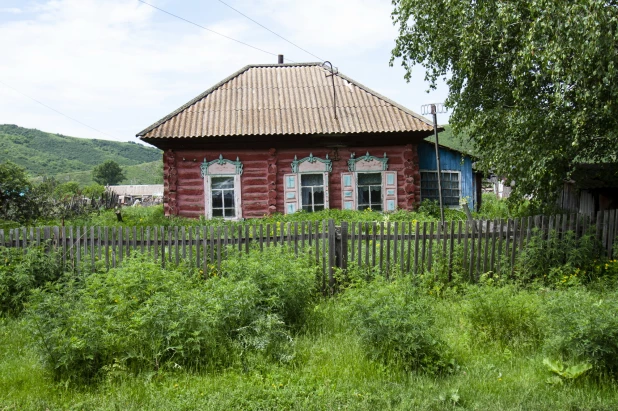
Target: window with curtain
(312,192)
(369,191)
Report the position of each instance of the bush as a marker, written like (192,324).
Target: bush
(287,284)
(141,317)
(548,260)
(583,327)
(396,325)
(21,273)
(504,314)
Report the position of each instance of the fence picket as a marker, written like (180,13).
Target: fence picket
(190,233)
(438,242)
(465,245)
(78,250)
(472,259)
(479,253)
(417,229)
(514,249)
(402,243)
(106,250)
(381,245)
(429,252)
(409,245)
(200,243)
(324,251)
(296,238)
(388,247)
(302,235)
(610,232)
(219,248)
(492,258)
(486,250)
(211,246)
(374,245)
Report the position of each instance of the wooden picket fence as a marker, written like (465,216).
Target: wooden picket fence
(386,247)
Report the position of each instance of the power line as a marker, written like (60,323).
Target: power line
(212,31)
(59,112)
(266,28)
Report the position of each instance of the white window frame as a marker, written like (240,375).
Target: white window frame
(300,190)
(222,168)
(443,172)
(292,187)
(369,164)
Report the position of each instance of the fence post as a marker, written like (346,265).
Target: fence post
(343,250)
(332,250)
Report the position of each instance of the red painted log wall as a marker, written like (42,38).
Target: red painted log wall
(262,178)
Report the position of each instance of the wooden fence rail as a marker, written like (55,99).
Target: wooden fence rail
(473,246)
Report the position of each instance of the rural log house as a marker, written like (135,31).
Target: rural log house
(290,137)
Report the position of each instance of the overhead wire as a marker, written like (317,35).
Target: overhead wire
(266,28)
(57,111)
(212,31)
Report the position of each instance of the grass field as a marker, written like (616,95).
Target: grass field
(331,371)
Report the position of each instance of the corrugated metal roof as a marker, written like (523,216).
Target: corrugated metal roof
(286,99)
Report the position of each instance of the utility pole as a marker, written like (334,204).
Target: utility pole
(433,109)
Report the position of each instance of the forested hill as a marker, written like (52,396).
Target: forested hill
(42,153)
(460,143)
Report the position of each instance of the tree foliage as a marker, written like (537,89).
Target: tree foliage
(108,173)
(534,83)
(15,201)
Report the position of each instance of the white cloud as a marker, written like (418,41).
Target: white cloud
(120,65)
(11,10)
(102,62)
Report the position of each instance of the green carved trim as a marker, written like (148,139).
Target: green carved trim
(206,164)
(311,159)
(352,161)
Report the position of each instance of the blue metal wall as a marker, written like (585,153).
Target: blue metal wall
(449,160)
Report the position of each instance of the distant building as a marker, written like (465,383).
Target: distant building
(146,194)
(592,188)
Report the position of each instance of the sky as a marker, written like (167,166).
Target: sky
(116,66)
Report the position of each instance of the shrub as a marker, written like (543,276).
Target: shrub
(141,316)
(21,273)
(504,314)
(583,327)
(287,284)
(396,325)
(547,260)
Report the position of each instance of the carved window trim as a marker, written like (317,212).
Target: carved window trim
(204,167)
(328,164)
(353,162)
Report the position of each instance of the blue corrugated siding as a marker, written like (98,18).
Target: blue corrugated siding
(449,160)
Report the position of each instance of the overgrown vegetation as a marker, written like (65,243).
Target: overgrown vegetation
(258,332)
(154,215)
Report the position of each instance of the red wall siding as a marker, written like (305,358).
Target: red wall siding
(262,178)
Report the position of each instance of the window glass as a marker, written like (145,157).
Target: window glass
(450,187)
(312,192)
(369,190)
(222,192)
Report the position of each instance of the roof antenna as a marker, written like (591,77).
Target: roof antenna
(333,71)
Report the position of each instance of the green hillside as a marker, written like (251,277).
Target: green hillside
(145,173)
(42,153)
(459,142)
